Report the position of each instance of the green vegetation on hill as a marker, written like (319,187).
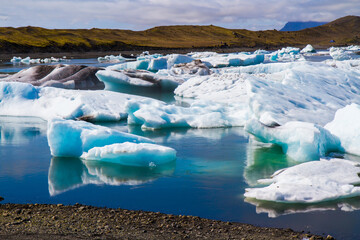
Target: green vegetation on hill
(344,31)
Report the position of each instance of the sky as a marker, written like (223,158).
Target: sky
(142,14)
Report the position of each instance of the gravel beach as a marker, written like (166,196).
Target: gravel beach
(43,221)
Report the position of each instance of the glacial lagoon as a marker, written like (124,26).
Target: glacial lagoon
(208,179)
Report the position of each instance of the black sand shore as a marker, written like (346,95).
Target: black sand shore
(42,221)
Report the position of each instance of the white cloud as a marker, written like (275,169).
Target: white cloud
(142,14)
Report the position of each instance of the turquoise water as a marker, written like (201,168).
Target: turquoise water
(208,178)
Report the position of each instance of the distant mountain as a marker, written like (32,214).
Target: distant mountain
(296,26)
(343,31)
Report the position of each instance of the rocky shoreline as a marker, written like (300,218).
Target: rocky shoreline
(43,221)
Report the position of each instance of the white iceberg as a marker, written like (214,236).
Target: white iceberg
(232,60)
(339,54)
(308,49)
(311,182)
(346,126)
(112,59)
(201,114)
(130,80)
(22,99)
(153,63)
(131,154)
(287,54)
(68,138)
(299,140)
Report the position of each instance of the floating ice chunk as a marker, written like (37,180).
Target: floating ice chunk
(22,99)
(287,54)
(232,60)
(339,54)
(299,140)
(201,114)
(132,154)
(153,62)
(130,80)
(346,126)
(309,92)
(112,59)
(311,182)
(308,49)
(224,87)
(68,138)
(188,70)
(200,55)
(25,60)
(16,59)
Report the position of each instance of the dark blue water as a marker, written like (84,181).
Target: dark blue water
(208,179)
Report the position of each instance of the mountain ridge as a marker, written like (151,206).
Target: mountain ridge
(344,31)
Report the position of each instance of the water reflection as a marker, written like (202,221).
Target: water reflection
(14,130)
(274,209)
(70,173)
(263,160)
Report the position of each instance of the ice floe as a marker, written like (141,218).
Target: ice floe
(112,59)
(310,182)
(308,49)
(346,126)
(68,138)
(131,154)
(300,140)
(22,99)
(232,60)
(153,63)
(154,115)
(28,60)
(129,81)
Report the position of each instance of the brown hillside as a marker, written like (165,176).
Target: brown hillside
(344,31)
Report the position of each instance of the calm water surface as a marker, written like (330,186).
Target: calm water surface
(208,178)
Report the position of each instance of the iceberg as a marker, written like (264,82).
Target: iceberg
(308,92)
(339,54)
(219,87)
(22,99)
(346,126)
(299,140)
(153,63)
(131,154)
(308,49)
(310,182)
(131,81)
(69,138)
(112,59)
(287,54)
(196,67)
(201,114)
(232,60)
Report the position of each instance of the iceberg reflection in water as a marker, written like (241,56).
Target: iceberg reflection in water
(70,173)
(274,209)
(16,131)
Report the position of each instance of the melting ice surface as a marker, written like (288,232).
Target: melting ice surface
(296,111)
